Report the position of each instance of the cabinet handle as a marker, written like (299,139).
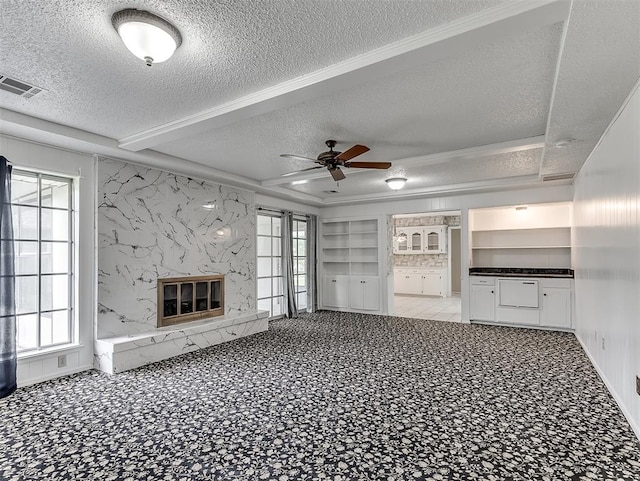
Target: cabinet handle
(492,292)
(544,294)
(333,280)
(530,283)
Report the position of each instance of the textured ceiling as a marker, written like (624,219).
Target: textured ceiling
(230,48)
(526,75)
(495,92)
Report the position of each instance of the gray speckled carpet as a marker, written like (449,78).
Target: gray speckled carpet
(332,396)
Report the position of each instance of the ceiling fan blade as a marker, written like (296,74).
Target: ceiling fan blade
(352,152)
(337,174)
(369,165)
(299,157)
(303,170)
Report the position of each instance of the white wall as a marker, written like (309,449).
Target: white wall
(452,203)
(81,167)
(606,257)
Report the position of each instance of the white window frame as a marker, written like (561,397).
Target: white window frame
(301,291)
(72,321)
(277,299)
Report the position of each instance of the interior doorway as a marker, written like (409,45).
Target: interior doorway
(426,259)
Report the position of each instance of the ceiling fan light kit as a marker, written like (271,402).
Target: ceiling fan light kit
(396,183)
(149,37)
(333,160)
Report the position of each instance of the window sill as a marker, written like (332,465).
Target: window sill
(30,355)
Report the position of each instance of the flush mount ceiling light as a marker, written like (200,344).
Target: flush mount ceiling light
(396,183)
(147,36)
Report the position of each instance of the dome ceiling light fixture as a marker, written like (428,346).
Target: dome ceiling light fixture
(147,36)
(396,183)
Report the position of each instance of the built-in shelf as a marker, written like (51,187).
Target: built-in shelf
(350,264)
(532,245)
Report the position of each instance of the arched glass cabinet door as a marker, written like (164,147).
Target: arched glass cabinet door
(402,242)
(416,242)
(433,241)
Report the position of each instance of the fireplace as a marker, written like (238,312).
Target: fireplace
(184,299)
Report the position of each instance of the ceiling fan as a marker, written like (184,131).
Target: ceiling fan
(333,160)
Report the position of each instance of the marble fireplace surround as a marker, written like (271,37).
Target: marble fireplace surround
(153,224)
(118,354)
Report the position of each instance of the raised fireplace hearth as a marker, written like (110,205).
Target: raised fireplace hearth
(184,299)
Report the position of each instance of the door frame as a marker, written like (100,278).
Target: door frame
(450,277)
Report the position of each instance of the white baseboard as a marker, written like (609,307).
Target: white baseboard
(634,426)
(54,375)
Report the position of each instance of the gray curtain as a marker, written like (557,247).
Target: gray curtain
(312,229)
(287,265)
(8,356)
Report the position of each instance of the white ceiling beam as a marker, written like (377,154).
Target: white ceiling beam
(441,157)
(475,152)
(466,187)
(39,131)
(504,20)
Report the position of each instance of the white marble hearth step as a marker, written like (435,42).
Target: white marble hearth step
(118,354)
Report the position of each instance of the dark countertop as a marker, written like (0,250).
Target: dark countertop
(520,272)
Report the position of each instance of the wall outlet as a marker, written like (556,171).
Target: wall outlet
(638,384)
(62,361)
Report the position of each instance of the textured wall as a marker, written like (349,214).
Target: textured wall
(425,260)
(606,250)
(151,224)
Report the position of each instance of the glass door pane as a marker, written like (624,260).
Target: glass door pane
(186,298)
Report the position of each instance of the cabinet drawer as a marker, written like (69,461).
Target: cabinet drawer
(559,283)
(482,281)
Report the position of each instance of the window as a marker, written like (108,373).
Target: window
(43,232)
(269,265)
(300,261)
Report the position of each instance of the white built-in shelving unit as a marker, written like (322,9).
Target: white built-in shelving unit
(539,236)
(350,264)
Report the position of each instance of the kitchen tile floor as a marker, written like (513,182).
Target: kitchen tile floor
(426,307)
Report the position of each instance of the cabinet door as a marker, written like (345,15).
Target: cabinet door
(371,294)
(335,291)
(404,283)
(483,303)
(401,241)
(364,293)
(556,307)
(432,284)
(434,240)
(415,240)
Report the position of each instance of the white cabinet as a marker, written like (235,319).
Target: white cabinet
(409,240)
(335,291)
(420,240)
(407,283)
(556,307)
(364,293)
(483,299)
(420,281)
(434,240)
(544,302)
(432,283)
